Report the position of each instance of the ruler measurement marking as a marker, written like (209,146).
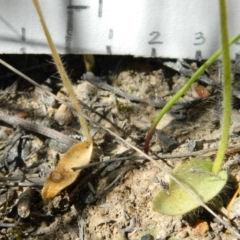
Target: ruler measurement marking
(24,38)
(109,50)
(110,35)
(191,43)
(23,34)
(77,7)
(100,8)
(199,37)
(154,53)
(69,31)
(155,35)
(198,55)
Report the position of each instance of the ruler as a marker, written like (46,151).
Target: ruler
(142,28)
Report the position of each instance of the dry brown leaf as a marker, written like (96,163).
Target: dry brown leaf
(63,175)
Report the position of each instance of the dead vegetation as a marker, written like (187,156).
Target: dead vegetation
(111,199)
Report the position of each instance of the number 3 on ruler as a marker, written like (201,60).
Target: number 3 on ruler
(200,38)
(155,35)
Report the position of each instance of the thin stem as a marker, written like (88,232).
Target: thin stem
(229,207)
(63,74)
(183,90)
(227,90)
(190,192)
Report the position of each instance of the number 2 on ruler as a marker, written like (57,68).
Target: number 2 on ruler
(155,35)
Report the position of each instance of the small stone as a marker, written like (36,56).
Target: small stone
(85,91)
(200,228)
(3,134)
(182,234)
(202,91)
(22,114)
(156,148)
(63,115)
(147,237)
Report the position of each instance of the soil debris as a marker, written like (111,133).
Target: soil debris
(111,199)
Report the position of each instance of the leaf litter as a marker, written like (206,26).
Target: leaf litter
(111,200)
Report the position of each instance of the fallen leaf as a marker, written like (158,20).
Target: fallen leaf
(63,175)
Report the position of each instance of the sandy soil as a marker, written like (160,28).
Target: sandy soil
(109,200)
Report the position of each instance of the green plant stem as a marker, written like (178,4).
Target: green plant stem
(63,74)
(183,90)
(227,90)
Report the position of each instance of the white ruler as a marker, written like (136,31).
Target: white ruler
(147,28)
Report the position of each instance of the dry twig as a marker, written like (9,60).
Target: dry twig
(51,133)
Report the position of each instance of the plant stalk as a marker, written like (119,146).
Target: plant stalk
(227,90)
(63,74)
(174,99)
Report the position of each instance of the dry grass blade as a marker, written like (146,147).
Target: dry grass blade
(79,154)
(229,207)
(16,121)
(62,72)
(60,176)
(125,143)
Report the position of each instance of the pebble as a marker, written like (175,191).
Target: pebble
(200,228)
(63,115)
(147,237)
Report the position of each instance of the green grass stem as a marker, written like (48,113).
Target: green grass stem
(182,91)
(227,90)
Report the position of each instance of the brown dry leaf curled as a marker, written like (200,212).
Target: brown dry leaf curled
(63,175)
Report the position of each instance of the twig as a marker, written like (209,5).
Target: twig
(119,176)
(8,225)
(24,203)
(204,153)
(22,184)
(133,158)
(190,154)
(51,133)
(178,66)
(96,81)
(7,149)
(189,191)
(44,89)
(52,95)
(8,91)
(17,181)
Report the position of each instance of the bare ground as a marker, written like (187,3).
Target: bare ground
(110,200)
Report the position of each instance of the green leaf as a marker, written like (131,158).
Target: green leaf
(195,174)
